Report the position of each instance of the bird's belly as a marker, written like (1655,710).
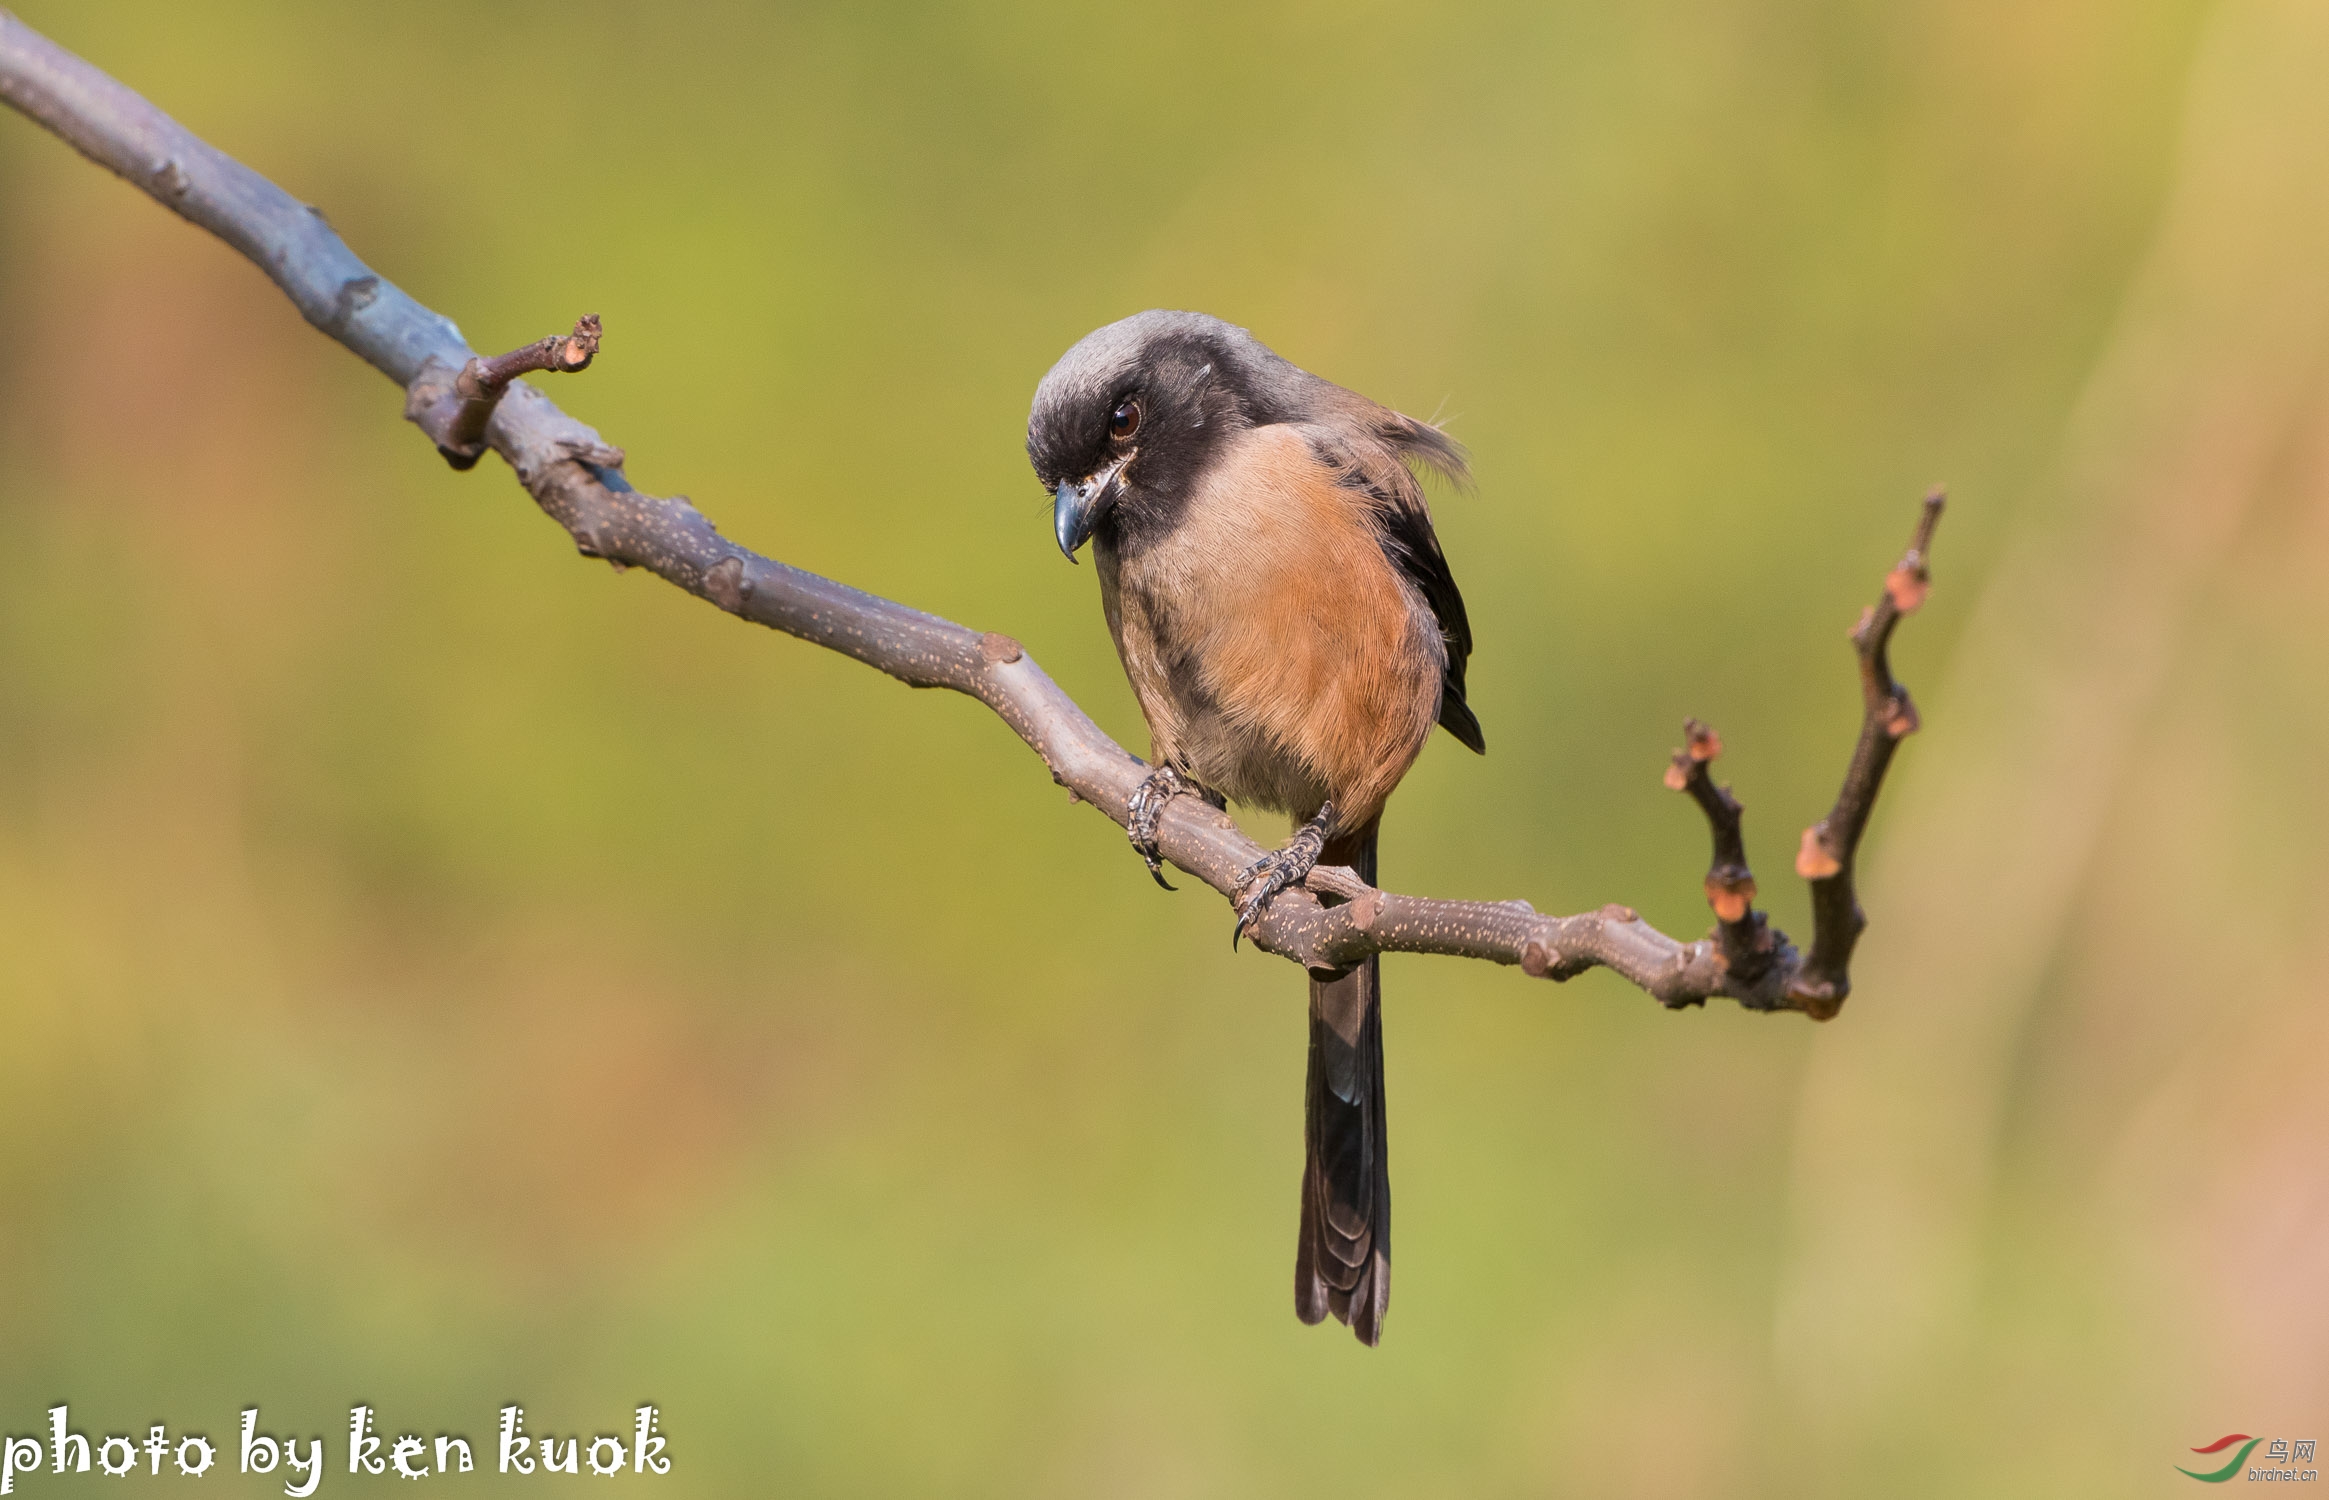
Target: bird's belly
(1278,655)
(1246,763)
(1281,714)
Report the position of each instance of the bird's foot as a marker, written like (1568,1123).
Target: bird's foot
(1147,806)
(1280,868)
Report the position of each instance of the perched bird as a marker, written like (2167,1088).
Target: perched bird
(1268,569)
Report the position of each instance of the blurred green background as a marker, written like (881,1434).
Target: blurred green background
(436,973)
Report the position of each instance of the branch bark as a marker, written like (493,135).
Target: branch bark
(458,416)
(468,405)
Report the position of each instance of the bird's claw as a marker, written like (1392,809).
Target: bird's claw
(1278,869)
(1146,807)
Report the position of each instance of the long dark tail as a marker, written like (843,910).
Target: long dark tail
(1343,1264)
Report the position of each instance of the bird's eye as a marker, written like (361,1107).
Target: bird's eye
(1124,420)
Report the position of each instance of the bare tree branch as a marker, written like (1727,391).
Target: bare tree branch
(461,413)
(1887,717)
(1748,943)
(466,405)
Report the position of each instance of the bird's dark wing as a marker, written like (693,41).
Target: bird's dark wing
(1372,461)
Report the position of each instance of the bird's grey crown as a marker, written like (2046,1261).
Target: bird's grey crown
(1106,358)
(1071,406)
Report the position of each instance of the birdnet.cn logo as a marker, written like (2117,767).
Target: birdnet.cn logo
(2281,1460)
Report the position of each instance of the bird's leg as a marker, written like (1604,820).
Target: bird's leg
(1147,805)
(1280,868)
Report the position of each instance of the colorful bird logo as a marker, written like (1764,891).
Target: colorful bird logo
(2218,1446)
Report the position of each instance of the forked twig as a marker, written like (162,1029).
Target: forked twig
(457,415)
(1751,948)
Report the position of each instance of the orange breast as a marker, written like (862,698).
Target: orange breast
(1317,667)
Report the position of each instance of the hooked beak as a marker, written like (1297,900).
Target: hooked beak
(1079,505)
